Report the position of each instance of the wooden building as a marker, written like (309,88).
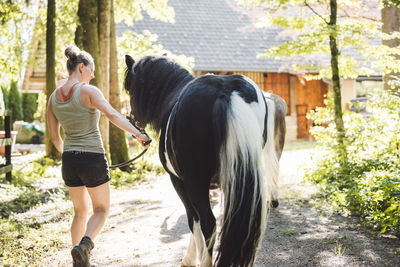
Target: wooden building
(221,37)
(300,95)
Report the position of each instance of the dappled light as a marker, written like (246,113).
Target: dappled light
(288,110)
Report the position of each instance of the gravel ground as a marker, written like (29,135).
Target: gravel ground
(147,227)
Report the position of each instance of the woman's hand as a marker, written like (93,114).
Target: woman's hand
(97,100)
(144,140)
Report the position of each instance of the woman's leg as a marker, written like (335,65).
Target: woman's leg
(80,200)
(100,196)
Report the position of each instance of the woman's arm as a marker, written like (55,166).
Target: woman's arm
(54,128)
(98,101)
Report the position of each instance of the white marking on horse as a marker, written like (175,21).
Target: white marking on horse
(168,162)
(259,107)
(271,162)
(201,247)
(190,258)
(245,123)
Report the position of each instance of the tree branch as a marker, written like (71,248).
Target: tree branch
(347,15)
(316,13)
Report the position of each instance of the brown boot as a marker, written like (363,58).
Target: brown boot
(81,253)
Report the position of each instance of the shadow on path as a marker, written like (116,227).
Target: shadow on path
(299,235)
(176,232)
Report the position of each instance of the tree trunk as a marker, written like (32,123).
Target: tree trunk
(51,151)
(390,24)
(104,11)
(88,19)
(79,35)
(336,80)
(118,145)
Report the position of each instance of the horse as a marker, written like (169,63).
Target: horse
(279,134)
(211,129)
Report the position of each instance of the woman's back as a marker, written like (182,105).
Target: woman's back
(81,124)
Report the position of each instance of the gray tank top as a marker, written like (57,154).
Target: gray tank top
(80,123)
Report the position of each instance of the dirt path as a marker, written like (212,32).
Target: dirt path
(147,227)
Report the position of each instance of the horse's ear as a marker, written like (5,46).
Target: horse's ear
(129,61)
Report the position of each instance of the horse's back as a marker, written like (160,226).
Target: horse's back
(198,126)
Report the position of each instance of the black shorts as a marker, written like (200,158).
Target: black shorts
(84,168)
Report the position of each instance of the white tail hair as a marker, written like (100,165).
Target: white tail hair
(271,161)
(245,160)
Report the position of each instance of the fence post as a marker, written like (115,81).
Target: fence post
(7,129)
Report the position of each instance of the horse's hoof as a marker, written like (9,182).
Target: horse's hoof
(274,203)
(190,264)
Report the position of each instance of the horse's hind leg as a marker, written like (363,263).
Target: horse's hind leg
(204,224)
(190,258)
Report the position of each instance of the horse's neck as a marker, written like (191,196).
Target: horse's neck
(175,94)
(169,102)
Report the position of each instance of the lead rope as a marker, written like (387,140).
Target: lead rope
(143,131)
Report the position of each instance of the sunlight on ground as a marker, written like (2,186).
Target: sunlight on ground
(300,144)
(297,156)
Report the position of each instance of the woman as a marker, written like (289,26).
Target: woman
(76,106)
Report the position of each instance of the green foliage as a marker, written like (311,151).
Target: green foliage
(15,103)
(25,243)
(143,44)
(24,192)
(27,175)
(21,245)
(129,11)
(5,95)
(41,108)
(29,106)
(27,198)
(15,26)
(67,20)
(368,184)
(3,104)
(306,36)
(148,164)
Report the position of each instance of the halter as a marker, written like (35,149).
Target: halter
(135,124)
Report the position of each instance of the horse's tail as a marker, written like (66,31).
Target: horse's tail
(243,177)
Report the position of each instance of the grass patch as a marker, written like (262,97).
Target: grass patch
(27,198)
(21,245)
(35,210)
(26,205)
(339,249)
(146,165)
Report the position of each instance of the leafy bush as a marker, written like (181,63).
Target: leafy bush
(15,103)
(5,96)
(33,171)
(4,103)
(368,182)
(29,106)
(145,165)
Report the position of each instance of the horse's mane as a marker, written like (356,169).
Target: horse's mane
(154,84)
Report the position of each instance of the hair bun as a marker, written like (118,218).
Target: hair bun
(71,52)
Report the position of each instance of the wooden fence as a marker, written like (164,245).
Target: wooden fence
(6,141)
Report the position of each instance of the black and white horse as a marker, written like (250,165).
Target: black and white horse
(213,129)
